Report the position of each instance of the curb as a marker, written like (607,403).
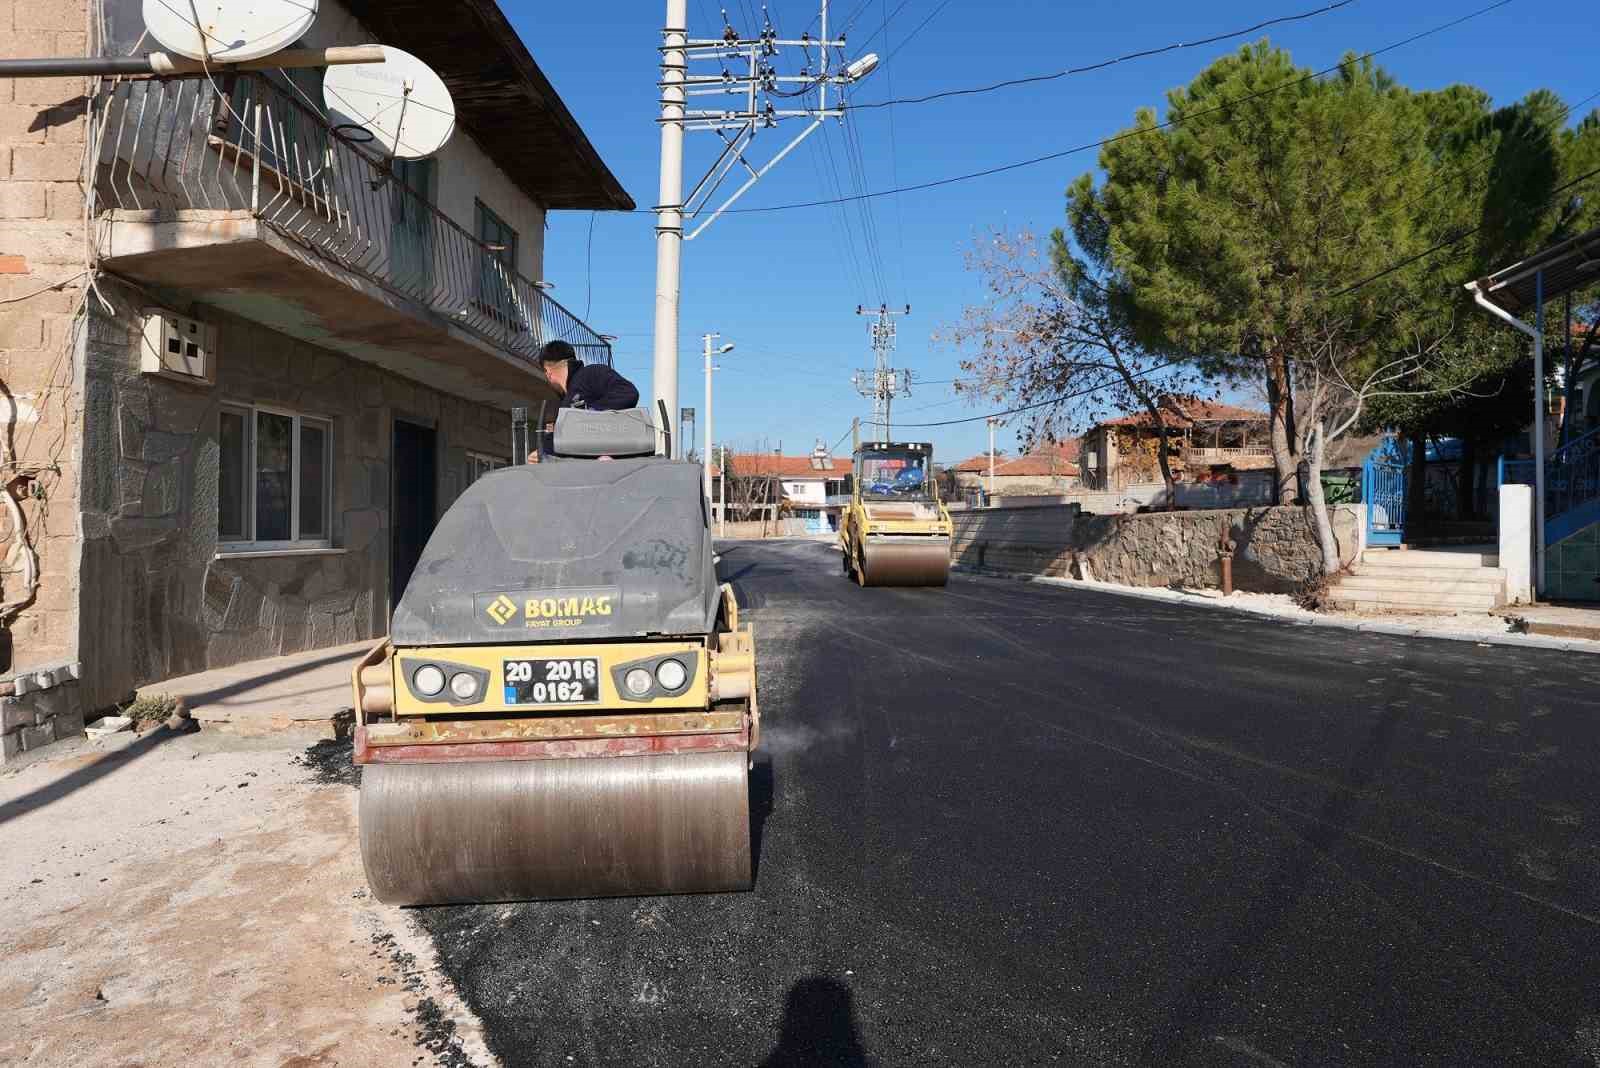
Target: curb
(1363,626)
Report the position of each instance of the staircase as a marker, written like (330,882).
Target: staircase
(1434,582)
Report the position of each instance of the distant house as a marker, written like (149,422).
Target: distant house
(1207,442)
(810,488)
(1047,471)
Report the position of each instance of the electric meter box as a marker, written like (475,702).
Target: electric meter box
(177,346)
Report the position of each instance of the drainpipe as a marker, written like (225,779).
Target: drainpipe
(1537,333)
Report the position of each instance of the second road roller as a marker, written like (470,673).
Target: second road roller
(896,531)
(566,704)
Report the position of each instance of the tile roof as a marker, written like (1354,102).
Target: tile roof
(1198,411)
(764,463)
(1036,465)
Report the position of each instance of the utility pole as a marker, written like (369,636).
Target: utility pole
(993,422)
(709,338)
(669,208)
(745,69)
(881,382)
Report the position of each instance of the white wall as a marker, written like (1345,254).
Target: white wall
(807,491)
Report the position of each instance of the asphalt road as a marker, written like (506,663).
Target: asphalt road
(1008,824)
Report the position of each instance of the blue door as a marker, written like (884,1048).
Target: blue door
(1383,485)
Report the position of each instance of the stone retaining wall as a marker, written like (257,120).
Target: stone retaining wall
(1276,547)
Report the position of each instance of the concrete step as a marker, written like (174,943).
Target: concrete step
(1412,600)
(1488,582)
(1432,576)
(1429,558)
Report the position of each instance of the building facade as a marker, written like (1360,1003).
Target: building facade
(249,361)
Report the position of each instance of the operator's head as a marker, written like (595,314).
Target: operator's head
(556,360)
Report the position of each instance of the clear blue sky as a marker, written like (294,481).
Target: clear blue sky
(782,285)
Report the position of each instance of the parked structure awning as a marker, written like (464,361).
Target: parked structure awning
(1565,266)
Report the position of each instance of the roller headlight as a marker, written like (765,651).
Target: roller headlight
(637,682)
(428,680)
(671,674)
(464,686)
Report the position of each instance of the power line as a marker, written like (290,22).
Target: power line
(1140,132)
(1034,79)
(907,39)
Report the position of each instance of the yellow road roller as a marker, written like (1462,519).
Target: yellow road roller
(565,706)
(895,532)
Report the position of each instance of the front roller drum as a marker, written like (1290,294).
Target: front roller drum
(517,830)
(908,561)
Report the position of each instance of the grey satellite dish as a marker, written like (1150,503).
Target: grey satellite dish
(401,102)
(228,31)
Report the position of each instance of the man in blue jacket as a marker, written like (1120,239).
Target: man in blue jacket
(585,385)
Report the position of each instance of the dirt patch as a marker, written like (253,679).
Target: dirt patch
(221,918)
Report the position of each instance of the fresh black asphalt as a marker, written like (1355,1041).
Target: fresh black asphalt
(1006,824)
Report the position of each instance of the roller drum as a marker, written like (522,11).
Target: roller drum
(908,561)
(515,830)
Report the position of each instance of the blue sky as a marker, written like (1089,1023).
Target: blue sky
(783,287)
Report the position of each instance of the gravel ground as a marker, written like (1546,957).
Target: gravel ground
(197,899)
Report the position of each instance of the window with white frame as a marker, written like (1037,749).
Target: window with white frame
(275,487)
(480,464)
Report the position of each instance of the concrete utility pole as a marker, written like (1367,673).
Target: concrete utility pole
(761,88)
(881,382)
(993,422)
(709,338)
(669,209)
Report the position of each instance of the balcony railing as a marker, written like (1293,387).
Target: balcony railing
(1224,454)
(239,143)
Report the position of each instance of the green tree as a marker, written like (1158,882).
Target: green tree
(1231,231)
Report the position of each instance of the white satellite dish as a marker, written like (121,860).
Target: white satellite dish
(228,31)
(401,102)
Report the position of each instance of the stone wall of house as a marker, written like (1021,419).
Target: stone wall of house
(165,600)
(1276,549)
(42,264)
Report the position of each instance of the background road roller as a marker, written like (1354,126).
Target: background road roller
(895,532)
(566,704)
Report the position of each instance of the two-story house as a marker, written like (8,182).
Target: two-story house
(1206,442)
(247,359)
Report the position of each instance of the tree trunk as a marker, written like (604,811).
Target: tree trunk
(1280,411)
(1417,486)
(1166,467)
(1319,506)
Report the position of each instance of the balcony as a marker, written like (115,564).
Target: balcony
(235,194)
(1193,454)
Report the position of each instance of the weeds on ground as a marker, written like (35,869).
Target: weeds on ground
(1312,594)
(149,710)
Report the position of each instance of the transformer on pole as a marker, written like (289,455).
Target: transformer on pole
(881,382)
(744,69)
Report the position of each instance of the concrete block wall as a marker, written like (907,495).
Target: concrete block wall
(1276,547)
(42,257)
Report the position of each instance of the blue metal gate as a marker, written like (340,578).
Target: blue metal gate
(1383,486)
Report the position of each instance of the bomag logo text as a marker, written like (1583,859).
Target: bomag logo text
(557,610)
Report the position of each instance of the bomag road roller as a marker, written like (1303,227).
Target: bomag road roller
(566,704)
(895,531)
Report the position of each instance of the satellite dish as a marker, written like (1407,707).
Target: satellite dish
(401,102)
(228,31)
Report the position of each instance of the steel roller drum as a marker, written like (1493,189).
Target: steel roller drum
(908,561)
(517,830)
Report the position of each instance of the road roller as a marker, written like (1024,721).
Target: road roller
(895,532)
(565,706)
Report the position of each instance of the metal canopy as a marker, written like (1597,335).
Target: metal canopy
(1565,266)
(502,98)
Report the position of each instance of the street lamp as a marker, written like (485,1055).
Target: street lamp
(723,350)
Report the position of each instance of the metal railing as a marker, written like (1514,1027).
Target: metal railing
(242,143)
(1224,452)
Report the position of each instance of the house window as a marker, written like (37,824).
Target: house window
(275,486)
(497,295)
(479,465)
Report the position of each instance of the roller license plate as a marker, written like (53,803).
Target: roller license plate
(570,680)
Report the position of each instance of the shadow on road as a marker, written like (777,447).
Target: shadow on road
(81,777)
(819,1027)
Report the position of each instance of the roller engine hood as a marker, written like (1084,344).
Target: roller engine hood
(569,550)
